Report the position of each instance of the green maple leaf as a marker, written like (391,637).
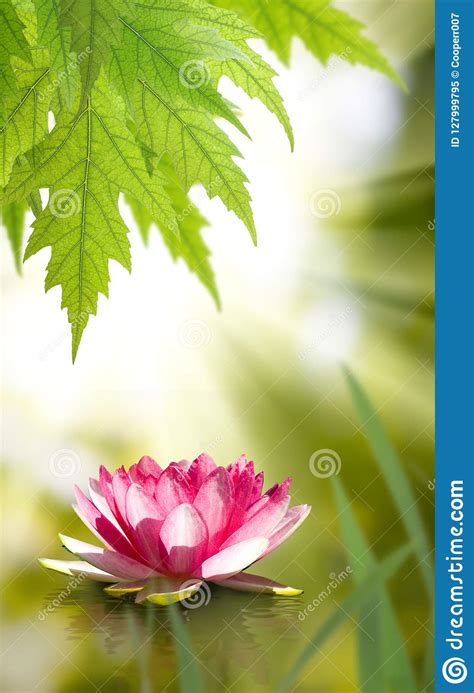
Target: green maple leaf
(26,107)
(86,163)
(254,76)
(324,30)
(201,152)
(94,27)
(26,120)
(158,40)
(57,39)
(13,43)
(169,63)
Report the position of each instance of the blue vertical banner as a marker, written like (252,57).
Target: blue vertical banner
(454,346)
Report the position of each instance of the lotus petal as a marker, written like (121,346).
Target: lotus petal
(172,489)
(242,494)
(201,467)
(77,568)
(145,519)
(246,582)
(120,483)
(236,468)
(233,559)
(121,589)
(184,464)
(257,488)
(106,560)
(97,497)
(185,538)
(136,475)
(263,522)
(214,501)
(292,520)
(168,591)
(149,466)
(107,532)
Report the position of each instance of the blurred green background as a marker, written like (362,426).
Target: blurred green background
(342,279)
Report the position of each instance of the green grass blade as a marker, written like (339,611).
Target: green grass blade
(141,648)
(369,635)
(384,663)
(384,571)
(395,477)
(188,671)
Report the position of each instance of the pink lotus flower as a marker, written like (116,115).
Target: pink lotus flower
(167,531)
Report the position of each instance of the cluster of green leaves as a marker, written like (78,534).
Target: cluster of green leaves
(113,97)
